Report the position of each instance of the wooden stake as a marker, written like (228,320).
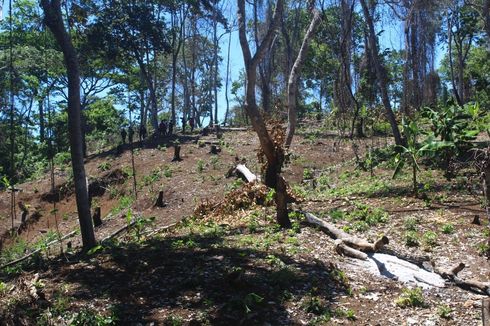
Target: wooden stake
(97,217)
(176,154)
(159,202)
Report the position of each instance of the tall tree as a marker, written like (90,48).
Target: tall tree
(272,151)
(53,19)
(294,76)
(380,72)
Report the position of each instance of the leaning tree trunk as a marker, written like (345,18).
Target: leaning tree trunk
(272,154)
(293,79)
(380,74)
(53,19)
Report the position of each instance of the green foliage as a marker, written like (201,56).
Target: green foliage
(90,317)
(447,228)
(411,152)
(430,238)
(200,166)
(411,239)
(251,301)
(411,298)
(444,311)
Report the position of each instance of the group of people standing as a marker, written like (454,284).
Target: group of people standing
(130,133)
(165,128)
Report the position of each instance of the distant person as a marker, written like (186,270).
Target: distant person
(143,133)
(183,124)
(123,135)
(130,134)
(170,128)
(191,124)
(162,128)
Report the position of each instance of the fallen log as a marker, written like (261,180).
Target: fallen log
(21,259)
(471,285)
(344,250)
(347,239)
(119,231)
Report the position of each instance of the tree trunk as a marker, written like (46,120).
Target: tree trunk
(381,74)
(42,137)
(451,66)
(227,82)
(268,147)
(293,79)
(53,19)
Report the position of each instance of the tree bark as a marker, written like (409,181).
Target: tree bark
(380,74)
(53,19)
(273,155)
(293,79)
(451,66)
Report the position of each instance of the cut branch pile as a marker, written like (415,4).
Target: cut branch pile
(244,197)
(346,244)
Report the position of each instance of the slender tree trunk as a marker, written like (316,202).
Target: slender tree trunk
(42,136)
(293,79)
(227,82)
(381,74)
(53,19)
(486,16)
(215,63)
(451,66)
(174,80)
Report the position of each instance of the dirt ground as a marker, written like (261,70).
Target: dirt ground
(239,269)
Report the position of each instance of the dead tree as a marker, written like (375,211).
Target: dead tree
(274,154)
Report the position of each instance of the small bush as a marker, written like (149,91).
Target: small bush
(411,239)
(411,298)
(447,228)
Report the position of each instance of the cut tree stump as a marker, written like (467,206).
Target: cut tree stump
(347,239)
(177,157)
(160,202)
(215,149)
(97,217)
(476,220)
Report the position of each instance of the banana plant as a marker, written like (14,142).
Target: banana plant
(412,151)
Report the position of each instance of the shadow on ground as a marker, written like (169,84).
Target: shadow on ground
(201,276)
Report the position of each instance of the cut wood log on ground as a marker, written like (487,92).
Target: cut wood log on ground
(346,244)
(243,172)
(470,285)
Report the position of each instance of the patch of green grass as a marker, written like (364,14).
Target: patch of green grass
(411,298)
(104,166)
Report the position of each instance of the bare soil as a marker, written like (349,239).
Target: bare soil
(239,268)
